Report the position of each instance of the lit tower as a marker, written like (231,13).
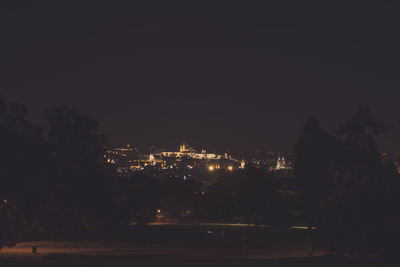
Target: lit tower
(242,164)
(183,148)
(278,164)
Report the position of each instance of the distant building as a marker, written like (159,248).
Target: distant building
(281,164)
(242,164)
(186,163)
(186,151)
(186,148)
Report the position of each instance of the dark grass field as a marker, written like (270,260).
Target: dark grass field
(181,245)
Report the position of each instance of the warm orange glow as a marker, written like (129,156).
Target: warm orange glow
(230,168)
(211,168)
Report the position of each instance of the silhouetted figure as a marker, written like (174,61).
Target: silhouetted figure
(34,249)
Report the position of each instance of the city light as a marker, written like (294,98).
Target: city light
(186,160)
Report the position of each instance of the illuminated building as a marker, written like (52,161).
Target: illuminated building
(186,148)
(185,163)
(185,151)
(242,164)
(281,164)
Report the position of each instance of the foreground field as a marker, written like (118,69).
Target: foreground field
(172,245)
(123,253)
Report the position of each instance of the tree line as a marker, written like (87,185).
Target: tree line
(54,181)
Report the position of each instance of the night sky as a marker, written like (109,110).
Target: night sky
(226,76)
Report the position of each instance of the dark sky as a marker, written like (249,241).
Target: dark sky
(222,76)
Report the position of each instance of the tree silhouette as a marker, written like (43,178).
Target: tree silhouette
(21,167)
(180,198)
(78,189)
(248,196)
(138,199)
(358,198)
(349,192)
(315,154)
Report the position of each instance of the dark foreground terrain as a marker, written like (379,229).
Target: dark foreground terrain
(181,245)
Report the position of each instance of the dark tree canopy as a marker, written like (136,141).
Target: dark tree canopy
(138,199)
(78,186)
(53,175)
(316,152)
(247,196)
(21,169)
(348,190)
